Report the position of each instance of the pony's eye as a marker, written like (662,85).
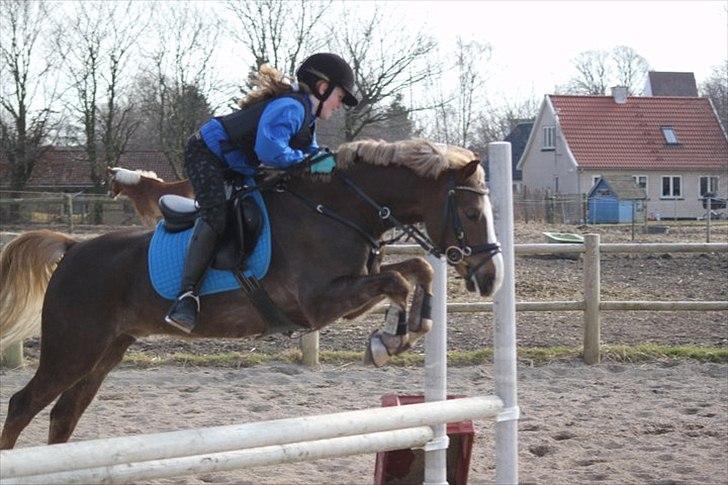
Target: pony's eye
(472,214)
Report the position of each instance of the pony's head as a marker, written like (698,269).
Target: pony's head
(457,212)
(118,178)
(460,221)
(113,186)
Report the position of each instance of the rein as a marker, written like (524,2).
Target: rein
(325,211)
(385,214)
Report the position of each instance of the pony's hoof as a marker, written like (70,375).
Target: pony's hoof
(424,327)
(376,353)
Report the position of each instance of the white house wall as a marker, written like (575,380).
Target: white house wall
(541,168)
(690,205)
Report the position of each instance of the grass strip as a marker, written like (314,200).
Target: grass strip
(456,358)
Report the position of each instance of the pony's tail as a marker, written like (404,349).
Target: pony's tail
(26,266)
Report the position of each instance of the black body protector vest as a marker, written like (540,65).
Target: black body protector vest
(242,128)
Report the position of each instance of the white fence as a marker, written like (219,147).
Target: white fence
(120,460)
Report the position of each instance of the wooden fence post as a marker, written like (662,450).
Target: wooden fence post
(592,299)
(12,357)
(310,348)
(69,206)
(707,220)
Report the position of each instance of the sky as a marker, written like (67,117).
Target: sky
(533,43)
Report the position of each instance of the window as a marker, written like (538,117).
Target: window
(670,137)
(641,181)
(548,138)
(671,187)
(708,185)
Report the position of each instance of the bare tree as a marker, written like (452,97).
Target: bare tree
(117,123)
(29,59)
(592,76)
(597,70)
(716,88)
(496,122)
(100,36)
(181,67)
(386,63)
(630,69)
(278,32)
(456,110)
(470,89)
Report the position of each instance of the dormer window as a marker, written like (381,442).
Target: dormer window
(669,133)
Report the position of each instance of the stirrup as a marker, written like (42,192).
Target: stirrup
(186,327)
(193,295)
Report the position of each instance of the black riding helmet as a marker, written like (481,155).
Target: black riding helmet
(328,67)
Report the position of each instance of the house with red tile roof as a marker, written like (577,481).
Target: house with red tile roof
(66,169)
(673,146)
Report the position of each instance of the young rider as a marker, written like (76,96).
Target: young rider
(276,127)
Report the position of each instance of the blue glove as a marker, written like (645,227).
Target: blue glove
(326,165)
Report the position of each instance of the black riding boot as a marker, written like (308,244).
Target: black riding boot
(183,313)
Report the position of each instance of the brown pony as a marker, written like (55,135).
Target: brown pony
(144,190)
(99,300)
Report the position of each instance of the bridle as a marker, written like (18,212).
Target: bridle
(456,254)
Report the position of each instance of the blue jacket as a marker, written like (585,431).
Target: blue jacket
(277,133)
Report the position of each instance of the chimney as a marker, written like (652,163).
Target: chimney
(619,93)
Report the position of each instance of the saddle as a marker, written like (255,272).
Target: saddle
(244,224)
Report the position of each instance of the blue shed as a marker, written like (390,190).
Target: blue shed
(614,199)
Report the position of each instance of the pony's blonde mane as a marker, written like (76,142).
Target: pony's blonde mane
(132,177)
(425,158)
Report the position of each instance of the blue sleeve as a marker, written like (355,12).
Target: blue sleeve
(280,121)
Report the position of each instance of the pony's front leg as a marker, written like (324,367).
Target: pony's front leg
(348,295)
(353,295)
(398,336)
(420,273)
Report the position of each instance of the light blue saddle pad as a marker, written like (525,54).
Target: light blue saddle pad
(167,254)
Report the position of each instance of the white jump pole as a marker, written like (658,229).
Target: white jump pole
(238,459)
(436,374)
(131,449)
(504,309)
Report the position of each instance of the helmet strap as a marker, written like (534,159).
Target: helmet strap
(323,97)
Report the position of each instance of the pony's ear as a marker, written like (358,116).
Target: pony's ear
(468,170)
